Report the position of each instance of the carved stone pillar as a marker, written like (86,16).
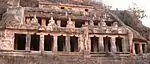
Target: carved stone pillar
(67,46)
(141,49)
(41,42)
(89,44)
(59,23)
(55,43)
(103,23)
(51,22)
(43,22)
(113,44)
(81,44)
(28,41)
(133,49)
(101,44)
(28,21)
(145,51)
(124,45)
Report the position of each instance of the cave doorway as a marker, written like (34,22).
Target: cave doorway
(74,43)
(94,44)
(137,48)
(61,43)
(107,44)
(63,23)
(35,42)
(119,44)
(20,42)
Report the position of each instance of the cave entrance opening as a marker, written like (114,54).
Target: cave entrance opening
(94,44)
(74,43)
(137,48)
(119,44)
(61,43)
(48,42)
(20,42)
(107,44)
(35,42)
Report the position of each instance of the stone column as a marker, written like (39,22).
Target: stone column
(124,44)
(81,44)
(28,20)
(41,42)
(43,22)
(133,49)
(141,49)
(130,39)
(28,41)
(59,23)
(67,45)
(113,44)
(89,44)
(101,44)
(145,51)
(55,43)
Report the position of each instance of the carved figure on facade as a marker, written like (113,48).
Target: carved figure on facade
(51,24)
(109,19)
(91,22)
(108,30)
(114,26)
(103,23)
(70,23)
(58,23)
(34,21)
(105,16)
(120,30)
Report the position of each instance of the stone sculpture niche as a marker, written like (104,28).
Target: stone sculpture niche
(70,23)
(34,21)
(108,30)
(51,24)
(91,22)
(103,23)
(114,26)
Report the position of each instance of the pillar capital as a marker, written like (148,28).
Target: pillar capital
(58,23)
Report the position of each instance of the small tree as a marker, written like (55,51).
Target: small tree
(137,11)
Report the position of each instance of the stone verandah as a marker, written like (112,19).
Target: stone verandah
(69,32)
